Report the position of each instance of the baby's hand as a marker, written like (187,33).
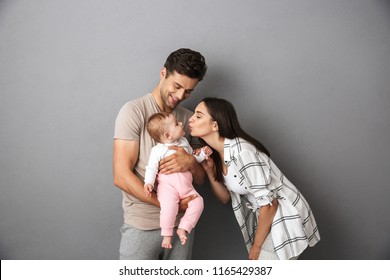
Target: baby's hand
(197,151)
(148,189)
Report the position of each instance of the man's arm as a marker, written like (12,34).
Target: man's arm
(125,156)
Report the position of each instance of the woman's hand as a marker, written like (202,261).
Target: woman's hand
(208,166)
(266,217)
(254,253)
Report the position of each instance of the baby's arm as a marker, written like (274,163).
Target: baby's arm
(148,188)
(151,171)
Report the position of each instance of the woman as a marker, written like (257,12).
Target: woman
(275,219)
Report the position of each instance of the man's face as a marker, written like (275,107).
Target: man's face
(175,88)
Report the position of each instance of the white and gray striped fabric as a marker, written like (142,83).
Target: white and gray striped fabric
(294,227)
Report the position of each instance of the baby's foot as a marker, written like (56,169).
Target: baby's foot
(182,233)
(207,150)
(167,242)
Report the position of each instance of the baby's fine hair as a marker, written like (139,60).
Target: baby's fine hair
(156,125)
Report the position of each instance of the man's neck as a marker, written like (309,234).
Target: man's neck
(160,103)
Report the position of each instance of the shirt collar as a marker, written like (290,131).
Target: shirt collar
(226,150)
(174,143)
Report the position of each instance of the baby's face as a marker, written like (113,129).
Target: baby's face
(175,128)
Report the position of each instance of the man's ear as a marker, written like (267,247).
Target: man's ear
(163,73)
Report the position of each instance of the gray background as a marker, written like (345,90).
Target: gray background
(308,78)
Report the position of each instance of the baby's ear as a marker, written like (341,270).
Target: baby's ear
(167,136)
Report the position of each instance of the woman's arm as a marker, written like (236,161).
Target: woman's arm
(255,169)
(266,217)
(219,189)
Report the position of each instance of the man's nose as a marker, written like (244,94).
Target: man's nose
(180,94)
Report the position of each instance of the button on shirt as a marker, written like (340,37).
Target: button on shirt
(254,181)
(232,181)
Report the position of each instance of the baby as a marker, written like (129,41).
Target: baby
(167,131)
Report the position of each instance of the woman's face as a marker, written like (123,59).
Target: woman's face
(201,123)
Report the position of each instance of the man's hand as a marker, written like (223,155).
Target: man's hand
(180,161)
(183,204)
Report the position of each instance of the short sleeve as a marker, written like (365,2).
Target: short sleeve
(128,123)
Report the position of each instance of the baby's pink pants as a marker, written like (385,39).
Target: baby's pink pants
(170,190)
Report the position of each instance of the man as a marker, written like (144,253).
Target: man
(141,234)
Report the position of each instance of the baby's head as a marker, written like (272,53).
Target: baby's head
(164,128)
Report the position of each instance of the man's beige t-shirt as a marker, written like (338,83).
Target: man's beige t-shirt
(130,125)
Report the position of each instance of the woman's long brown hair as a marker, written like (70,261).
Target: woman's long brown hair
(223,112)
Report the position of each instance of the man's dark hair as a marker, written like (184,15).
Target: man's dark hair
(186,62)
